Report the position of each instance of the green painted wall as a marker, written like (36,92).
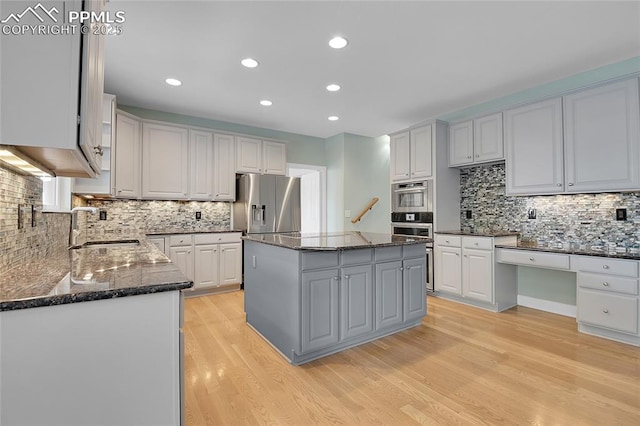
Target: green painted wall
(366,175)
(301,149)
(334,149)
(619,69)
(547,284)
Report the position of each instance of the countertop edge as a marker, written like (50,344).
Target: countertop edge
(331,249)
(65,299)
(622,256)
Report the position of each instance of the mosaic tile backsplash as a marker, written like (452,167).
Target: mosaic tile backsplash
(126,218)
(50,233)
(581,220)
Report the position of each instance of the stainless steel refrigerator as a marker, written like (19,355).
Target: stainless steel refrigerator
(267,203)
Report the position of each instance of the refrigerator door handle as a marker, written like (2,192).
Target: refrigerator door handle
(264,209)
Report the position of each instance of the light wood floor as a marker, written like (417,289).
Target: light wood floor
(461,366)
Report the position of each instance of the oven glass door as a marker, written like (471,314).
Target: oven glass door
(414,200)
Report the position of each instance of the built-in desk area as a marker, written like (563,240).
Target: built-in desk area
(607,300)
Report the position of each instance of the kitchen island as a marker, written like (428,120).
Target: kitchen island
(312,295)
(92,335)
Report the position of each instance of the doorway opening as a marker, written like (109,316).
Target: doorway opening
(313,196)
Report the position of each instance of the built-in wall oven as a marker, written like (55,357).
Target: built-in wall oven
(420,225)
(410,197)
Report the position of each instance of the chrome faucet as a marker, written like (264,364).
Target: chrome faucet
(73,233)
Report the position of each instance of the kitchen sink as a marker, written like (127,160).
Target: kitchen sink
(108,244)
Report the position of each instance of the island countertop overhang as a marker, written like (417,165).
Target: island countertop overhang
(334,241)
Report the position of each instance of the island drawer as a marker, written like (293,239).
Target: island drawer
(603,265)
(449,240)
(608,310)
(358,256)
(221,238)
(413,250)
(608,283)
(534,258)
(383,254)
(319,260)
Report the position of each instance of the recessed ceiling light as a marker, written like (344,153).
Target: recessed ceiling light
(333,87)
(334,118)
(249,62)
(266,102)
(173,82)
(338,42)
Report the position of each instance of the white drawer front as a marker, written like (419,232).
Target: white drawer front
(221,238)
(180,240)
(449,240)
(603,265)
(608,310)
(608,283)
(534,258)
(482,243)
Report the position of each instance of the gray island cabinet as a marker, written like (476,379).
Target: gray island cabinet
(315,295)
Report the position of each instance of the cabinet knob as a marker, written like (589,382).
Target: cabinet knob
(346,277)
(605,310)
(605,266)
(408,267)
(401,268)
(476,243)
(570,183)
(464,255)
(446,241)
(458,254)
(532,259)
(477,155)
(606,284)
(406,174)
(558,184)
(469,157)
(336,278)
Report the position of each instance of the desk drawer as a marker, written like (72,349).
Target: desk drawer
(608,283)
(534,258)
(608,310)
(603,265)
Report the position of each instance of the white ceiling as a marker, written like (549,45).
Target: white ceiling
(406,61)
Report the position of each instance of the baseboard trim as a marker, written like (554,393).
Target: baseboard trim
(548,306)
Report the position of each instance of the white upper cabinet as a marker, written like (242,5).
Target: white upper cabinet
(411,154)
(126,157)
(224,181)
(165,162)
(602,138)
(400,157)
(599,149)
(488,143)
(47,82)
(533,135)
(201,165)
(476,141)
(421,149)
(461,143)
(274,158)
(258,156)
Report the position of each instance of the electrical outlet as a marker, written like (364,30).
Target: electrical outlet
(198,215)
(468,214)
(103,215)
(621,214)
(531,214)
(21,216)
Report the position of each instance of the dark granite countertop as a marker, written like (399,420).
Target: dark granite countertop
(175,231)
(568,249)
(480,233)
(332,241)
(89,273)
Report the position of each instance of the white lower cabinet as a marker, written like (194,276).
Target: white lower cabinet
(210,260)
(465,270)
(607,300)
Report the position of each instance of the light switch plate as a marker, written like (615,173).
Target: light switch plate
(347,213)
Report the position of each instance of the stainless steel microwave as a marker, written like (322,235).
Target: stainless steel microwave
(412,196)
